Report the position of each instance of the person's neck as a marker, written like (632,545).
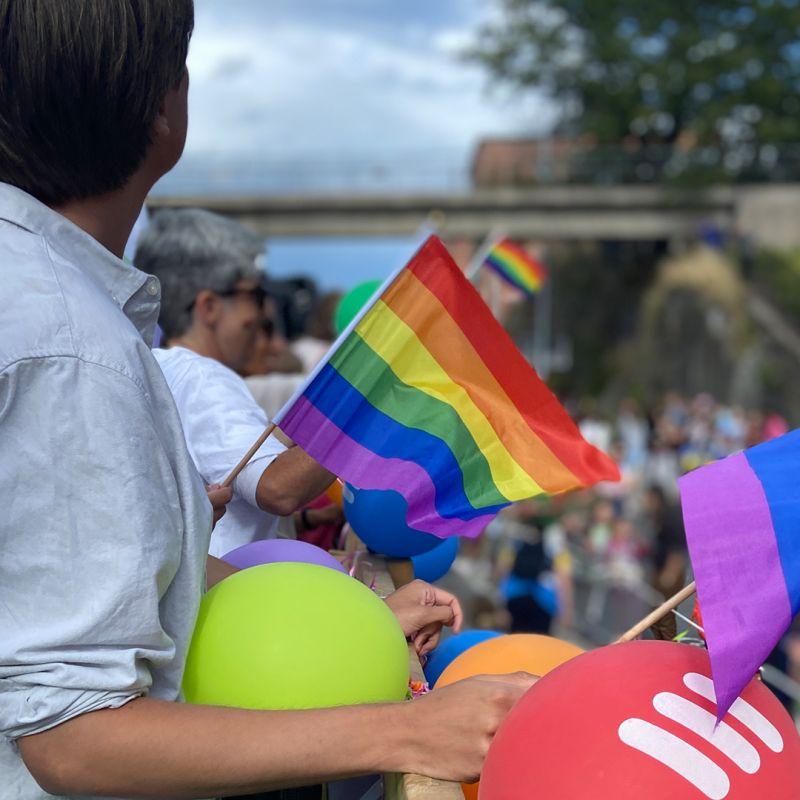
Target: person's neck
(200,341)
(110,218)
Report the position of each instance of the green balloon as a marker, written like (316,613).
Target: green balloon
(292,636)
(353,302)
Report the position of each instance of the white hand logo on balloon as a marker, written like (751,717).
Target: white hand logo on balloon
(702,769)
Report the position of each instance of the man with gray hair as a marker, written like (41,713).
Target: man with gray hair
(211,312)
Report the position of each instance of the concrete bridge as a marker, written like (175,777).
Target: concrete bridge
(768,212)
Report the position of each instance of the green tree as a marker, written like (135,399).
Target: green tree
(722,73)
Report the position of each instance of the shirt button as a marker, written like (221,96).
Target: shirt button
(152,288)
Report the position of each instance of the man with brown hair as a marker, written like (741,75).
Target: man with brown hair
(106,525)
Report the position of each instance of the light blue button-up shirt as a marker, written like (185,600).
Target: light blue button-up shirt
(104,520)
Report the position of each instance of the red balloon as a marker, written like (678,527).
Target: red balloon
(634,721)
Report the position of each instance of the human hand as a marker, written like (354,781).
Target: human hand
(422,610)
(452,728)
(219,497)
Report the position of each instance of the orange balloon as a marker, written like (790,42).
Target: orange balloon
(527,652)
(334,493)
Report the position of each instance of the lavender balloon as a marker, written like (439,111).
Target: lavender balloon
(269,551)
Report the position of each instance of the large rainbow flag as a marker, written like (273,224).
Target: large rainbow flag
(426,394)
(742,518)
(516,266)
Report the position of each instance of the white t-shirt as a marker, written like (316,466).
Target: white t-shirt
(273,391)
(221,420)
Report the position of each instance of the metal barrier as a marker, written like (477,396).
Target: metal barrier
(594,619)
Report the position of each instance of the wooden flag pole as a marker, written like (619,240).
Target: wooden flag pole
(247,456)
(654,616)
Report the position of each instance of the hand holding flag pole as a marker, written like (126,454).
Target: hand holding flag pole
(248,455)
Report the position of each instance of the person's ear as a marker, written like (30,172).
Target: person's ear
(207,308)
(161,128)
(169,127)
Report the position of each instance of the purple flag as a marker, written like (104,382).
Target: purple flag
(742,517)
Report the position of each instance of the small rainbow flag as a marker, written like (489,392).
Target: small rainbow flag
(516,266)
(742,517)
(425,394)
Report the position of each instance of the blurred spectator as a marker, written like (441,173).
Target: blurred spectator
(534,567)
(670,558)
(211,313)
(320,523)
(625,555)
(774,425)
(319,332)
(662,466)
(600,529)
(594,428)
(633,432)
(271,353)
(274,372)
(295,299)
(531,588)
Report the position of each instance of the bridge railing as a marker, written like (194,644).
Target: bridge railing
(540,163)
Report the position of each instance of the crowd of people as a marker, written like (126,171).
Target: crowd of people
(590,564)
(625,536)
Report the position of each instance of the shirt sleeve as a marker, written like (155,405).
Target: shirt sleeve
(90,542)
(221,421)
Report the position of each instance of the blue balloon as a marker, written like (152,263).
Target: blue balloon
(450,649)
(378,518)
(435,563)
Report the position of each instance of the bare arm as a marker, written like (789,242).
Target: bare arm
(217,570)
(291,481)
(151,748)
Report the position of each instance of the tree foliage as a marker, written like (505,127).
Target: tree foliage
(724,73)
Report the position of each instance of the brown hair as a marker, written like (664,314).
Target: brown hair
(81,83)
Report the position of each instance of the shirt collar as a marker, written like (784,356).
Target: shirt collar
(135,292)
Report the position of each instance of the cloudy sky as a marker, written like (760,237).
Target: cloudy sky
(319,88)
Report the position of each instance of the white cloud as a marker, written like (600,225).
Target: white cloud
(295,87)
